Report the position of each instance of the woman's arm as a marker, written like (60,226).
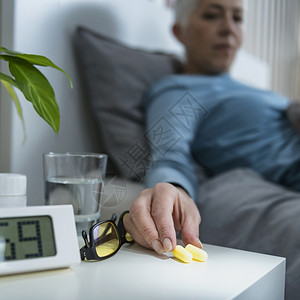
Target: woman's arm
(163,209)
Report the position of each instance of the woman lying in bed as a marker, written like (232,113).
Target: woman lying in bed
(207,118)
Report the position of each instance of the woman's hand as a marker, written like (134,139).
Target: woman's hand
(158,213)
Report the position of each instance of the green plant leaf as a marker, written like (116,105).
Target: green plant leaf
(8,86)
(8,79)
(36,60)
(36,89)
(5,50)
(43,61)
(13,95)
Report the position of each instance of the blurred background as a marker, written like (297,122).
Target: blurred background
(270,57)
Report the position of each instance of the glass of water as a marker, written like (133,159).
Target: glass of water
(76,179)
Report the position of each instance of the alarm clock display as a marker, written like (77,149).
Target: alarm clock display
(27,237)
(37,238)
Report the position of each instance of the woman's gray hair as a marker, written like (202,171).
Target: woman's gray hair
(184,9)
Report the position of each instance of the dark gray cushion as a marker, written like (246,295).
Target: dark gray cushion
(240,209)
(114,79)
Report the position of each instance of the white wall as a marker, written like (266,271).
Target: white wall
(6,33)
(46,27)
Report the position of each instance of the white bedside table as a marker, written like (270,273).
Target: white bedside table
(138,273)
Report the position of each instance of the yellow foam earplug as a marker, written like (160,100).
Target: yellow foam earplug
(197,253)
(182,254)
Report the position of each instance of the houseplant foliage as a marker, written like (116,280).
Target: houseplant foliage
(32,83)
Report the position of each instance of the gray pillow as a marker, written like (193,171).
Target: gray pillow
(114,79)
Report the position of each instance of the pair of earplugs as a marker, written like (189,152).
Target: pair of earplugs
(189,253)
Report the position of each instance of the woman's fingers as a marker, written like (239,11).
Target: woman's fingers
(140,223)
(190,222)
(137,236)
(164,197)
(150,220)
(156,213)
(190,232)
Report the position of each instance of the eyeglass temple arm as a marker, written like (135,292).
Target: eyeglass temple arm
(85,238)
(121,227)
(86,249)
(114,217)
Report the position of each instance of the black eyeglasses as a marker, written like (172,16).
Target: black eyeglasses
(106,238)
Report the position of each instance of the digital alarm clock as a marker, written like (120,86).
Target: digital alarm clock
(36,238)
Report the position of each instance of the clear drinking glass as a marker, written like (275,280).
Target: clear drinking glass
(76,179)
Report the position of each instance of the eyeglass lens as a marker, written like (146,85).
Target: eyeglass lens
(106,239)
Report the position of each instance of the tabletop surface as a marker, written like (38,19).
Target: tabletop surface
(138,273)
